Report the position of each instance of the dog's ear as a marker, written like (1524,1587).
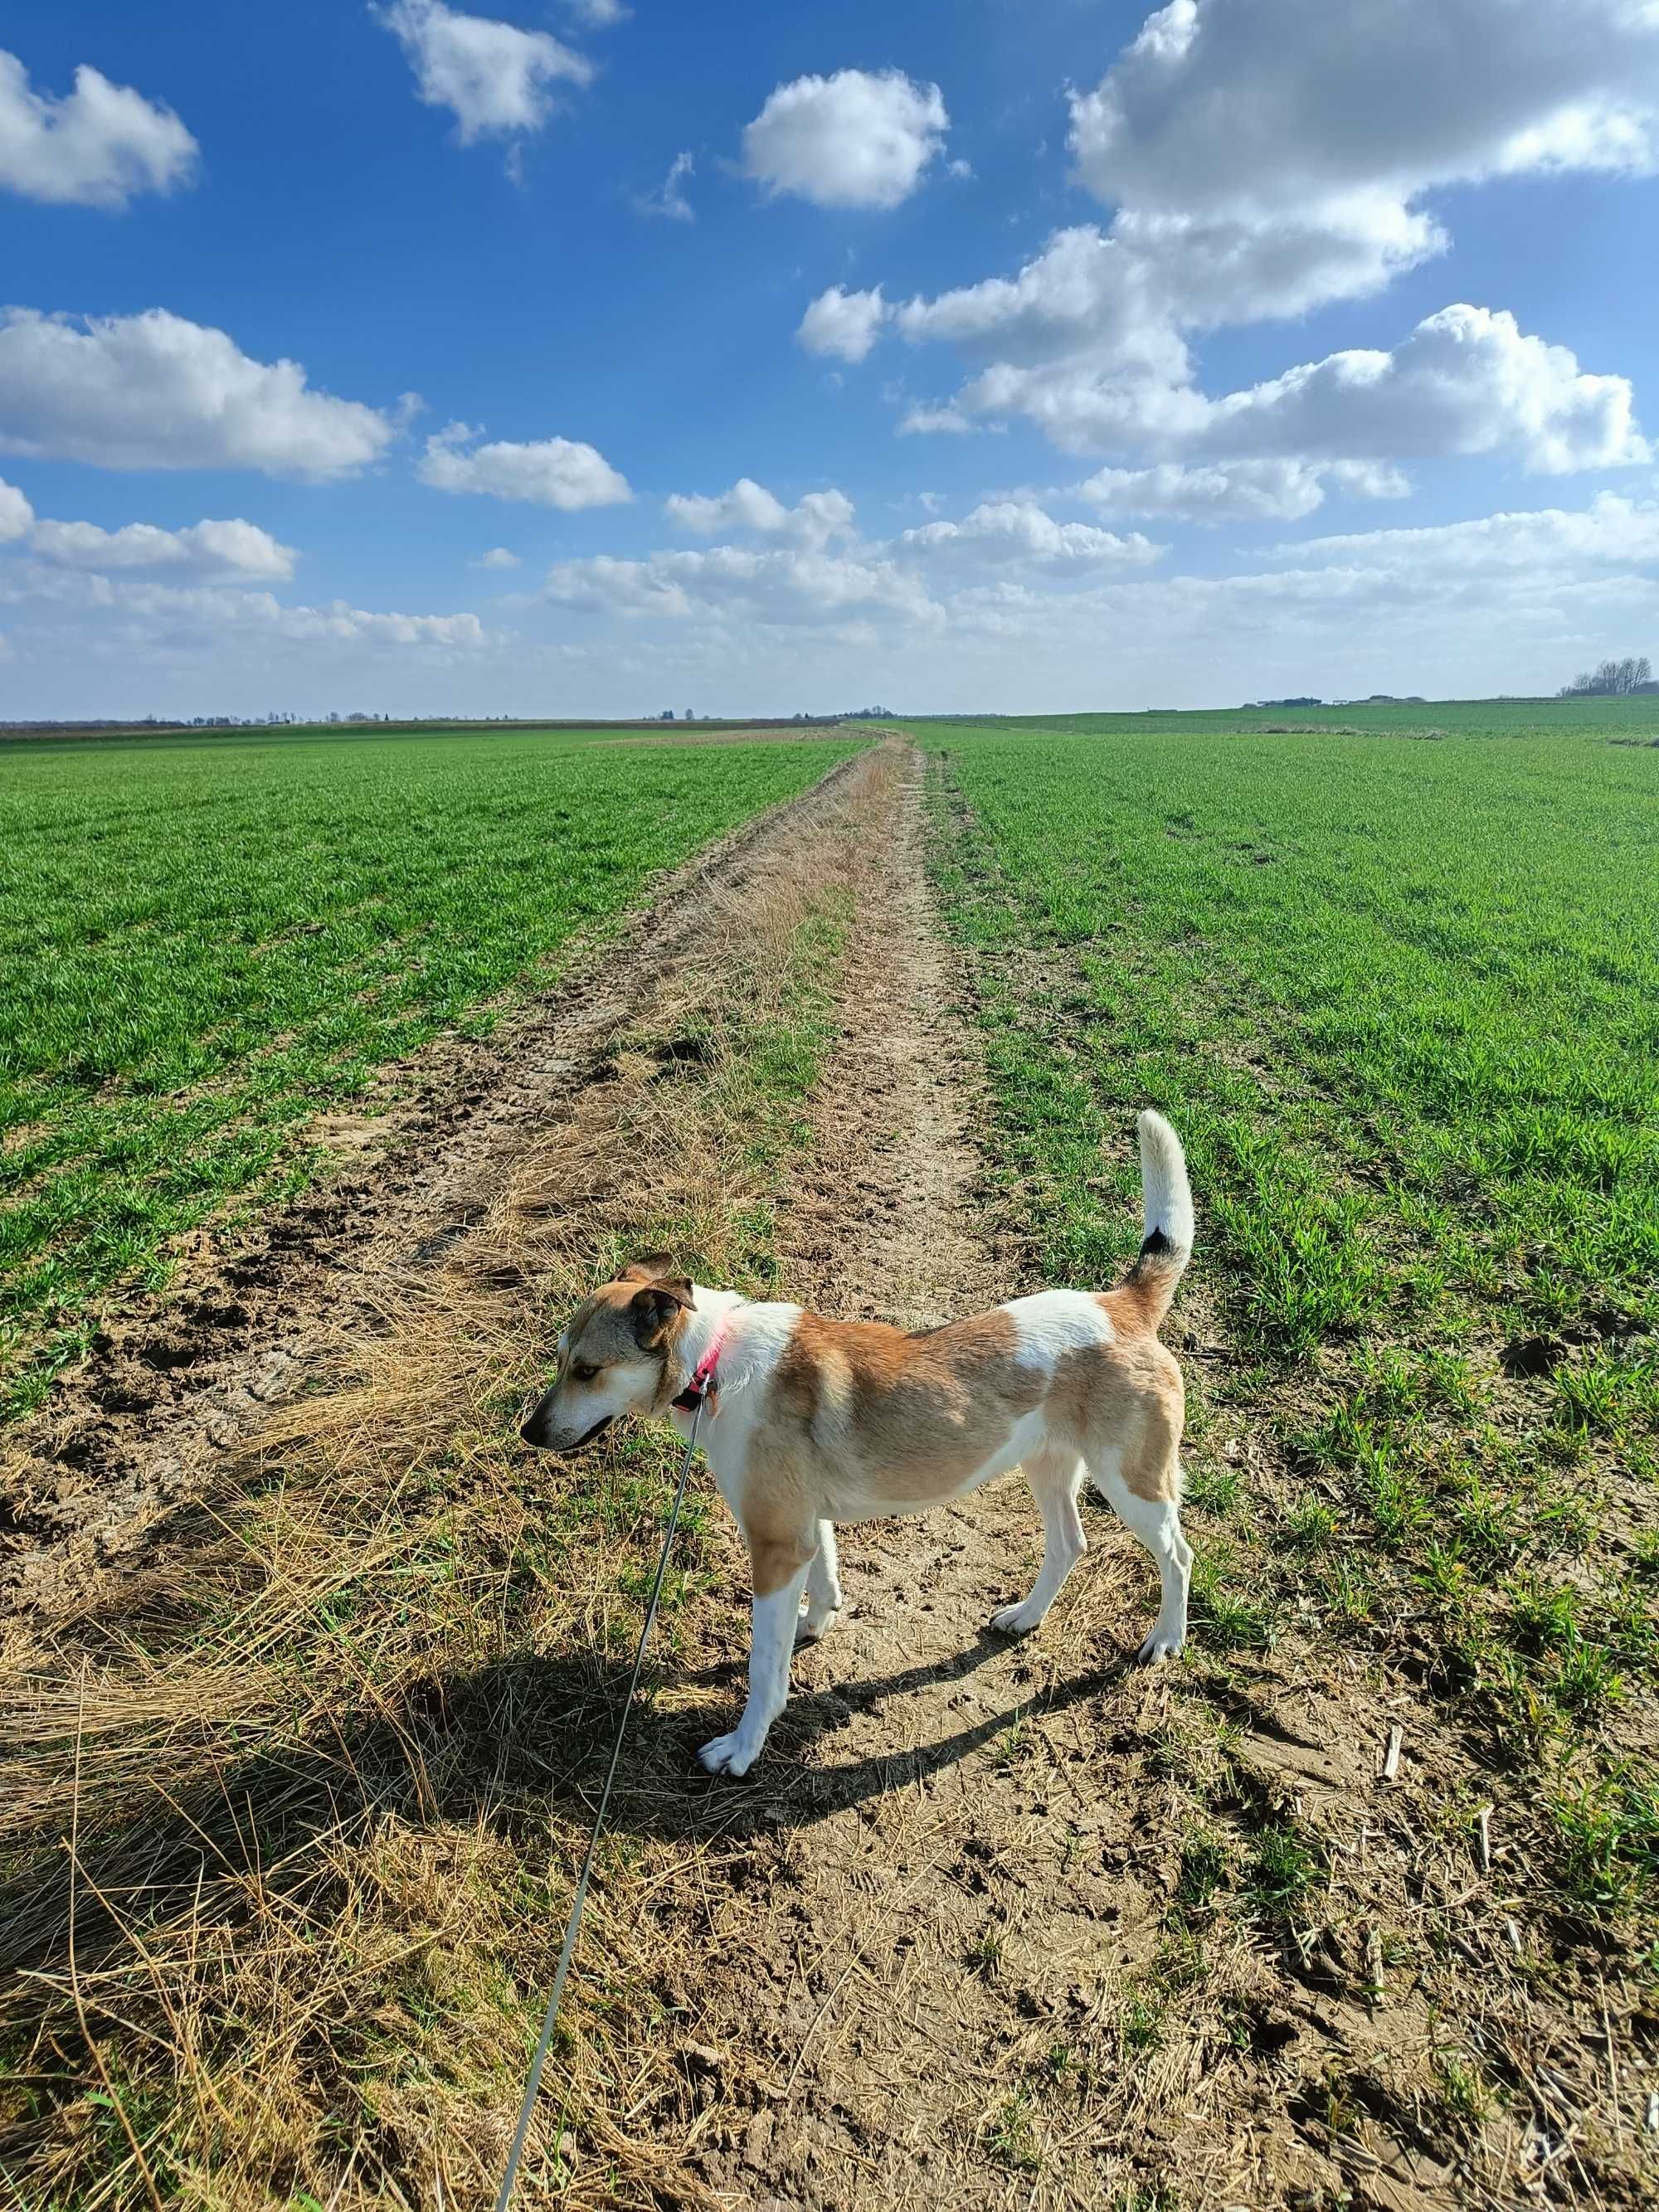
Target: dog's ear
(649,1268)
(653,1308)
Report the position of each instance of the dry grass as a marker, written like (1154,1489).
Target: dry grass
(286,1830)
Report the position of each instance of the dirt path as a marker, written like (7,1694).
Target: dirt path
(931,1922)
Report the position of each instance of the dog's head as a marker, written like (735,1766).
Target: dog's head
(613,1356)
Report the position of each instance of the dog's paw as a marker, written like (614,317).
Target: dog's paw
(1161,1644)
(1016,1619)
(810,1628)
(729,1754)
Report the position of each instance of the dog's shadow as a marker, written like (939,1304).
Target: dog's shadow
(661,1791)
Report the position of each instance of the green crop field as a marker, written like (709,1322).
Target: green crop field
(206,939)
(1401,1000)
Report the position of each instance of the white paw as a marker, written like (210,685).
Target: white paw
(1017,1619)
(1162,1643)
(729,1754)
(813,1626)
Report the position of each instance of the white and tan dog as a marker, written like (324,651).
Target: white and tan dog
(819,1421)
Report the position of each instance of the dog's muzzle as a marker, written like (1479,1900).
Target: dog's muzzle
(534,1433)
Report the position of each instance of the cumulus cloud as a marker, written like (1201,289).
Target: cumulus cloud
(781,586)
(818,516)
(842,323)
(498,557)
(560,473)
(922,421)
(852,140)
(669,199)
(231,548)
(150,608)
(1467,380)
(96,146)
(152,391)
(1267,157)
(1611,531)
(1277,491)
(494,78)
(1273,104)
(17,515)
(1020,531)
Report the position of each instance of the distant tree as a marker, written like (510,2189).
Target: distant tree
(1612,679)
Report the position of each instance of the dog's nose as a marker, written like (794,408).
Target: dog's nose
(532,1432)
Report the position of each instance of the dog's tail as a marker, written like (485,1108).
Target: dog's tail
(1167,1212)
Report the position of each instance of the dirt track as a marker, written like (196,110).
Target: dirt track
(947,1879)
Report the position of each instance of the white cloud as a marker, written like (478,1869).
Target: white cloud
(1279,104)
(1467,380)
(818,516)
(17,515)
(95,147)
(1277,491)
(498,557)
(922,421)
(1611,531)
(783,587)
(495,78)
(599,14)
(842,323)
(669,199)
(852,140)
(152,391)
(560,473)
(235,548)
(154,609)
(1267,157)
(1020,531)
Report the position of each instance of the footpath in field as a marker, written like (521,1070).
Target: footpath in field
(916,1996)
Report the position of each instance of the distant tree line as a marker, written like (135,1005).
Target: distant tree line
(1613,679)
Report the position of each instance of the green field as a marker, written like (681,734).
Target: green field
(207,939)
(1401,1000)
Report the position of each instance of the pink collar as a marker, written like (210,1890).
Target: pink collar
(703,1383)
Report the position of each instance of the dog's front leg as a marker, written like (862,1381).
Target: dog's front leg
(780,1570)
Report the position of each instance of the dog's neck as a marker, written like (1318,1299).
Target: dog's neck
(711,1312)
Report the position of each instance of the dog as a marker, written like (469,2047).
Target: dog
(812,1422)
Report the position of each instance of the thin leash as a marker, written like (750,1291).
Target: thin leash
(691,1400)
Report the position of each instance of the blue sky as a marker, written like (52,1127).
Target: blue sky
(1029,356)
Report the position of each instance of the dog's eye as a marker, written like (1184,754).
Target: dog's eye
(582,1373)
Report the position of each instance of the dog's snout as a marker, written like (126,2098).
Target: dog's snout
(533,1429)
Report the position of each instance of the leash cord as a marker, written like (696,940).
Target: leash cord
(572,1926)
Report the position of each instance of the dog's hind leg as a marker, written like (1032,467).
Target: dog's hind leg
(1157,1523)
(823,1589)
(1054,1478)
